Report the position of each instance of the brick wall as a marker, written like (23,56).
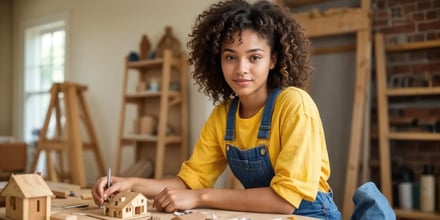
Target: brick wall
(404,21)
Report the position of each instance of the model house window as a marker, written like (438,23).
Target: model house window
(44,64)
(38,205)
(12,200)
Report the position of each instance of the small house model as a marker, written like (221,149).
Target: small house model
(126,204)
(27,197)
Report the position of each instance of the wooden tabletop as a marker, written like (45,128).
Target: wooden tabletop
(92,212)
(64,208)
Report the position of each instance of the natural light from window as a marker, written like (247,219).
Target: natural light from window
(45,47)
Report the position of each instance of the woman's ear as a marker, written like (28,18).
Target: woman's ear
(273,61)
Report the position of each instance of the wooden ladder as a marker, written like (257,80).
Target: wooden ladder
(67,136)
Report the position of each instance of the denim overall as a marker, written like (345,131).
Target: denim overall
(254,169)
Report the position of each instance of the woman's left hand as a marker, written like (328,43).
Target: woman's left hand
(170,200)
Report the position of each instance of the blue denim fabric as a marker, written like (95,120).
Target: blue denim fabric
(370,203)
(323,207)
(254,169)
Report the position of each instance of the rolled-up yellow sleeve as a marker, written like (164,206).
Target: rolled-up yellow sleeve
(208,159)
(301,166)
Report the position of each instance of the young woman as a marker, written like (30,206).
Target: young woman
(253,61)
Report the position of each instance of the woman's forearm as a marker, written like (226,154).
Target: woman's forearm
(255,200)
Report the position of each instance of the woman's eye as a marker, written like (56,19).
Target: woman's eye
(255,58)
(229,57)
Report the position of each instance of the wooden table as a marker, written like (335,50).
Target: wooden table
(92,212)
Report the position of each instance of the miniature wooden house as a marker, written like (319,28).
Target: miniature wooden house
(126,204)
(27,197)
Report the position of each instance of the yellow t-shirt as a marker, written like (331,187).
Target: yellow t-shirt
(296,146)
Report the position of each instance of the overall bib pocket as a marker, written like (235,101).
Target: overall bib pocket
(252,167)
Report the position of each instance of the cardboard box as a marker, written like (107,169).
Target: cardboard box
(13,156)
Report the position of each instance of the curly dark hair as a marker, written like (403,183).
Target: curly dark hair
(219,23)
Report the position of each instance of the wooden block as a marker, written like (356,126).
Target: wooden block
(61,193)
(63,186)
(86,197)
(63,216)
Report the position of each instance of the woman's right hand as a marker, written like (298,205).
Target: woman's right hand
(100,191)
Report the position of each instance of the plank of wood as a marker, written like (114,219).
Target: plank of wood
(61,193)
(362,85)
(413,46)
(63,216)
(351,21)
(191,216)
(299,3)
(382,109)
(86,197)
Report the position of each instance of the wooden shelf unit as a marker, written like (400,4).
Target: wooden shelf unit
(385,134)
(165,149)
(414,214)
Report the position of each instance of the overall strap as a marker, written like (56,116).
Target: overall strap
(230,120)
(263,132)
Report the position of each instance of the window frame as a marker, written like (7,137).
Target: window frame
(19,77)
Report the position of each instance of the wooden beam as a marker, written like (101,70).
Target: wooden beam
(382,105)
(350,21)
(413,46)
(334,49)
(299,3)
(361,97)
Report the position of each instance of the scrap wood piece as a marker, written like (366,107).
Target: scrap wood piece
(62,186)
(58,204)
(86,196)
(61,193)
(65,190)
(317,13)
(191,216)
(63,216)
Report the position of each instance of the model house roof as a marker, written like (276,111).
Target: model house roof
(26,186)
(121,199)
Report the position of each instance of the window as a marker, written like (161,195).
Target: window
(44,65)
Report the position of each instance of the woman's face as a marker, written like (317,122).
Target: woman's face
(246,64)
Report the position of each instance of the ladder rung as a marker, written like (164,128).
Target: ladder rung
(419,136)
(52,145)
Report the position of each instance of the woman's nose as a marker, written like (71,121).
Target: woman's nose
(242,67)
